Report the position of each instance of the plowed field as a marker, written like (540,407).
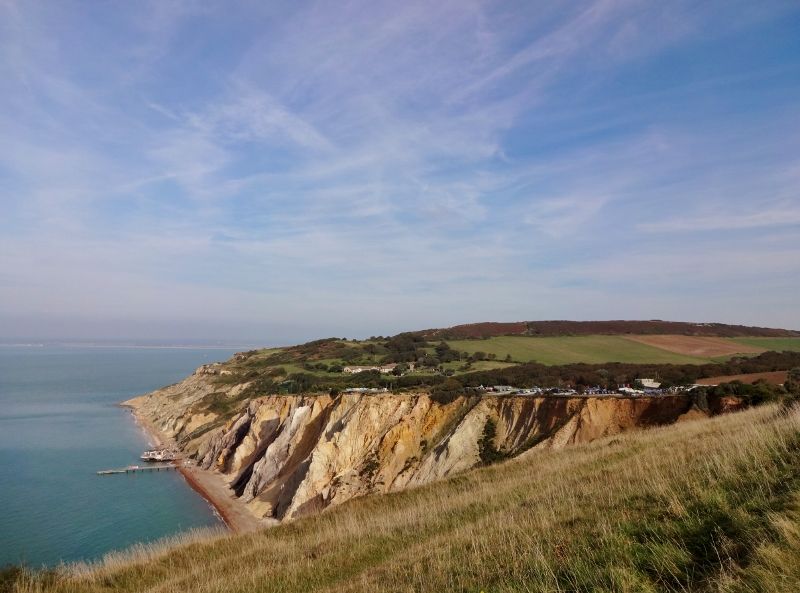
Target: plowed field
(704,347)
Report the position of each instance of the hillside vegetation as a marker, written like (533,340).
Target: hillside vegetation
(459,367)
(411,361)
(711,505)
(612,327)
(424,359)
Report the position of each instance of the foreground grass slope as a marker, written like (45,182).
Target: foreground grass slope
(712,505)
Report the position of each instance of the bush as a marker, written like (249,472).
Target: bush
(613,374)
(400,369)
(792,384)
(447,391)
(755,394)
(9,575)
(486,449)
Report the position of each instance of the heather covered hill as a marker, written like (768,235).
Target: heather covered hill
(615,327)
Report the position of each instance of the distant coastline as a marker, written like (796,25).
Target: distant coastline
(127,345)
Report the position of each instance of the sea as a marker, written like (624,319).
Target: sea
(60,424)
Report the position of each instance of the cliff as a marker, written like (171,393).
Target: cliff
(290,455)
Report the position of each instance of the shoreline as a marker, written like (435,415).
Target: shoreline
(236,517)
(218,508)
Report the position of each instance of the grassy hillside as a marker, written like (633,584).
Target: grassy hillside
(423,361)
(776,344)
(570,349)
(608,327)
(711,505)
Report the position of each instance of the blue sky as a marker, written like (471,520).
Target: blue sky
(280,171)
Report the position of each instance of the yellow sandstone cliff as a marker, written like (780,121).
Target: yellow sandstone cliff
(289,455)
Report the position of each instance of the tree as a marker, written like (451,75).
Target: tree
(792,384)
(486,449)
(367,378)
(400,370)
(431,361)
(445,353)
(447,391)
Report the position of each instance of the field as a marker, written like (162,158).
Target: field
(481,365)
(710,505)
(700,346)
(565,350)
(775,378)
(776,344)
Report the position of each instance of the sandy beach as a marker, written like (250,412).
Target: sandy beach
(209,484)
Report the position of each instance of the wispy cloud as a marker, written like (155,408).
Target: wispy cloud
(446,162)
(777,215)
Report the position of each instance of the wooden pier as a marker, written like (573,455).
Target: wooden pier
(132,469)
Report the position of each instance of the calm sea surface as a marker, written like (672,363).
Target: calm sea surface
(58,426)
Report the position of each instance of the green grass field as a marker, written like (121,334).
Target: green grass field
(712,505)
(481,365)
(777,344)
(565,350)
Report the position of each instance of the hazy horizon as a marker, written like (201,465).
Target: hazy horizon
(150,339)
(272,174)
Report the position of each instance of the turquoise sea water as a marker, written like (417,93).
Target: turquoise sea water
(58,425)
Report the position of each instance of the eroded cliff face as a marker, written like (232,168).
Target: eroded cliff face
(290,455)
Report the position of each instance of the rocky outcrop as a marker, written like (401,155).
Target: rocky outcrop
(290,455)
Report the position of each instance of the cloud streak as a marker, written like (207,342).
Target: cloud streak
(375,167)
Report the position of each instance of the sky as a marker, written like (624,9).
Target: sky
(280,171)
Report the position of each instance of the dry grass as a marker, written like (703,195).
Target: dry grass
(703,506)
(142,553)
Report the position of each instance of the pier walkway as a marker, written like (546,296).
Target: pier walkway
(132,469)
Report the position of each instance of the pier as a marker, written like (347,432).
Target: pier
(132,469)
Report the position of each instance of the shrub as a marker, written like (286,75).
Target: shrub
(9,575)
(486,449)
(447,391)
